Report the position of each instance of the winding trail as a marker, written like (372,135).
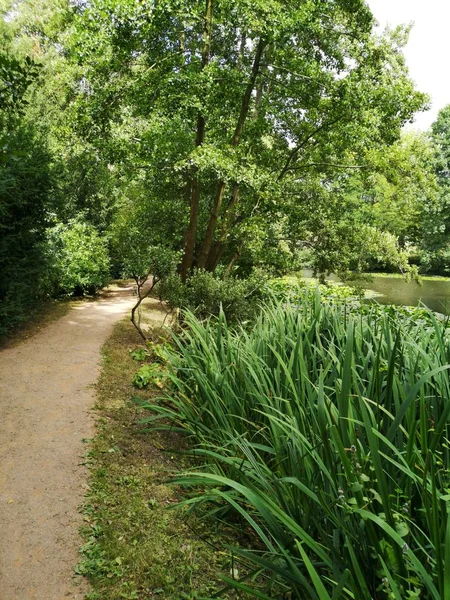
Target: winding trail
(46,393)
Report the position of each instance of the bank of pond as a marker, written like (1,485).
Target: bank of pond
(433,292)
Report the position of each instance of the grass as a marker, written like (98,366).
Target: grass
(43,314)
(135,546)
(326,431)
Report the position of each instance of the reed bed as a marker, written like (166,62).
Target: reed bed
(326,430)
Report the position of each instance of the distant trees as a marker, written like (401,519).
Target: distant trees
(436,214)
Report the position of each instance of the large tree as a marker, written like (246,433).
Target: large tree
(231,107)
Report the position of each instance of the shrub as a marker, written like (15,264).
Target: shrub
(292,289)
(79,257)
(205,294)
(326,430)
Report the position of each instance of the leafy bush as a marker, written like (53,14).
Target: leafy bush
(326,431)
(80,261)
(436,261)
(205,294)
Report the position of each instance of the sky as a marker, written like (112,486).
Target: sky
(428,50)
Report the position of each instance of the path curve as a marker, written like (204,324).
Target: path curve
(46,395)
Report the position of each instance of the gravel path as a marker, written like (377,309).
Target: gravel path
(46,395)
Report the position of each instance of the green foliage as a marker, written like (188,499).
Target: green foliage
(136,252)
(139,355)
(147,374)
(435,217)
(326,431)
(436,260)
(398,181)
(25,185)
(226,126)
(144,106)
(292,289)
(80,261)
(206,294)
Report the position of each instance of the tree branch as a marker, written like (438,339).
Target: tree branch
(333,165)
(296,150)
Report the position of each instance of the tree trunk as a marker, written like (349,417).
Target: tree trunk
(191,232)
(236,255)
(214,256)
(217,206)
(209,235)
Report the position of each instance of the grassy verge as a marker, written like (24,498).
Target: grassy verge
(43,314)
(134,546)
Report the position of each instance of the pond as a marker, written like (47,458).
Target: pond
(434,293)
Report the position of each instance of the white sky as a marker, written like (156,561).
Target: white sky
(428,50)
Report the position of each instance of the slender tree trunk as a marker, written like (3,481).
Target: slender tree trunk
(191,232)
(213,218)
(212,259)
(140,282)
(236,255)
(217,206)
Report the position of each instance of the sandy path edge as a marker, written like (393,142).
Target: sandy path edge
(46,395)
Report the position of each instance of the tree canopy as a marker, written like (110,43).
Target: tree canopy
(232,112)
(233,134)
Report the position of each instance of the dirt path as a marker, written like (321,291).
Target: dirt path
(45,396)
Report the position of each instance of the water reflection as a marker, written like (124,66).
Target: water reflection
(433,293)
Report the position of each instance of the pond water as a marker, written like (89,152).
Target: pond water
(389,290)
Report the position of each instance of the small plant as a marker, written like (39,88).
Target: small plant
(140,354)
(147,265)
(149,374)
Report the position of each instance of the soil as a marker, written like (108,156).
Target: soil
(46,400)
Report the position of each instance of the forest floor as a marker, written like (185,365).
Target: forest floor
(46,397)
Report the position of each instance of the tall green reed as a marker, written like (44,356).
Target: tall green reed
(326,428)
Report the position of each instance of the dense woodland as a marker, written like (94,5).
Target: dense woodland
(223,136)
(209,147)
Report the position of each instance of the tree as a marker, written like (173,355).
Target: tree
(24,186)
(235,107)
(390,193)
(436,214)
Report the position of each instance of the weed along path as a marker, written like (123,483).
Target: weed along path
(45,399)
